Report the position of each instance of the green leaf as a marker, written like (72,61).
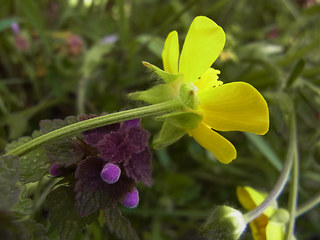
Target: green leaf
(94,56)
(6,23)
(9,176)
(17,127)
(297,70)
(265,149)
(62,151)
(34,230)
(119,225)
(32,12)
(23,206)
(34,164)
(11,229)
(89,202)
(154,44)
(168,135)
(63,215)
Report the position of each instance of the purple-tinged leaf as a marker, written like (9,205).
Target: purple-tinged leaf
(63,215)
(119,225)
(92,193)
(111,148)
(138,137)
(93,136)
(139,167)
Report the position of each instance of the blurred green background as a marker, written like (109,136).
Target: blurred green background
(84,56)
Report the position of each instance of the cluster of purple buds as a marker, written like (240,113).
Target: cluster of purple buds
(121,159)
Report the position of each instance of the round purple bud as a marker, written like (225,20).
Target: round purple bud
(15,28)
(131,199)
(110,173)
(56,170)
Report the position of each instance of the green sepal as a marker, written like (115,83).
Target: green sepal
(157,94)
(188,95)
(167,77)
(168,135)
(225,223)
(184,120)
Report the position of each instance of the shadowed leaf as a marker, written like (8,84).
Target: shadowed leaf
(119,225)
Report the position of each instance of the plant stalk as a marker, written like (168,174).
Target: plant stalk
(151,110)
(283,178)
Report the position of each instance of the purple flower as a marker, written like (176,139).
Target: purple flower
(109,39)
(15,28)
(56,170)
(110,173)
(131,200)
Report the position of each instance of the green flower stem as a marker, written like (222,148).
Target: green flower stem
(283,178)
(293,194)
(305,207)
(152,110)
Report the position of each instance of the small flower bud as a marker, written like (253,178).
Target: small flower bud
(56,170)
(280,215)
(110,173)
(15,28)
(131,200)
(224,223)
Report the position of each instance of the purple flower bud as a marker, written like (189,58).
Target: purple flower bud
(131,123)
(15,28)
(112,38)
(56,170)
(110,173)
(131,199)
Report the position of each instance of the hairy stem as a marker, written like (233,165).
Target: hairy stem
(152,110)
(293,194)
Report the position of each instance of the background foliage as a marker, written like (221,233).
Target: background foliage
(76,56)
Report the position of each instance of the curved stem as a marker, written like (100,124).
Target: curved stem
(274,194)
(152,110)
(305,207)
(293,194)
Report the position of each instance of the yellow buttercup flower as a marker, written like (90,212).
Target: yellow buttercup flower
(271,224)
(236,106)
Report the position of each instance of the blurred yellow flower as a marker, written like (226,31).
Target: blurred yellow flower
(236,106)
(271,224)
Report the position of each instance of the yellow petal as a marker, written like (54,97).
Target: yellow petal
(203,43)
(170,53)
(236,106)
(223,150)
(258,230)
(275,230)
(208,80)
(251,198)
